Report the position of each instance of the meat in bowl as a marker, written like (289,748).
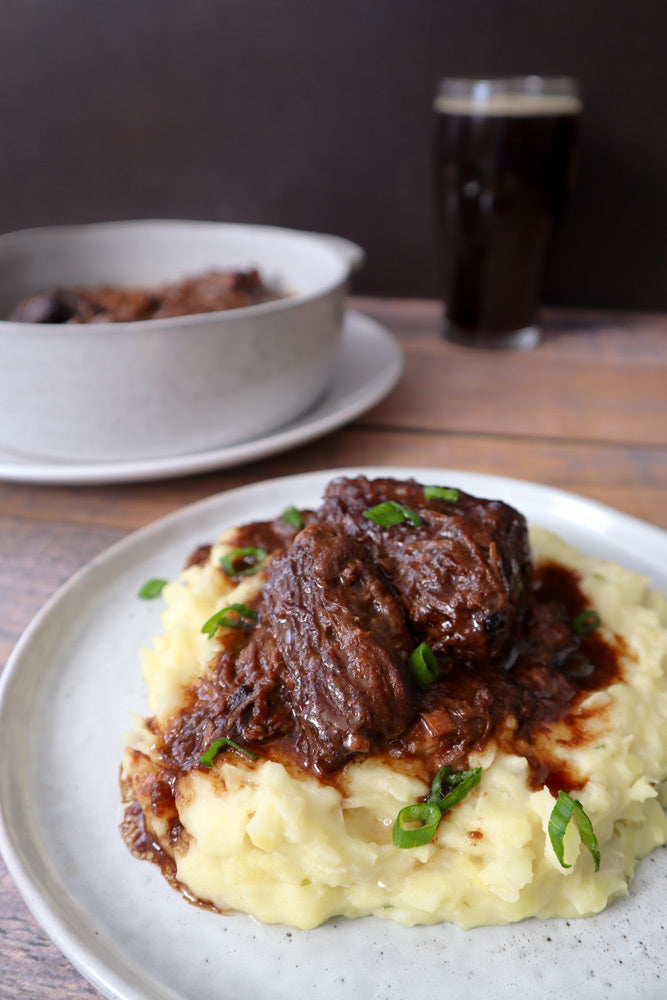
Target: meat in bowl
(210,292)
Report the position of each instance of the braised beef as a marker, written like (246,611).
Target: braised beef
(329,660)
(217,290)
(272,536)
(245,700)
(462,573)
(53,306)
(345,645)
(198,557)
(324,675)
(211,292)
(81,305)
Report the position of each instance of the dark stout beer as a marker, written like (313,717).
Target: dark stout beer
(504,165)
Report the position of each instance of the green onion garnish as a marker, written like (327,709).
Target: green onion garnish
(151,589)
(586,622)
(457,785)
(233,616)
(561,814)
(391,512)
(429,813)
(426,815)
(250,558)
(441,493)
(292,517)
(424,665)
(209,756)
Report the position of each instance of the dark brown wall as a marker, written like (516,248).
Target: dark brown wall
(317,114)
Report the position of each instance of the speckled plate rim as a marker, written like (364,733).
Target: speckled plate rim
(370,363)
(65,699)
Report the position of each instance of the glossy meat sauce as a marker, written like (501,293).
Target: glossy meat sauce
(323,676)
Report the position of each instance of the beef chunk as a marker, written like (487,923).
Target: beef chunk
(210,292)
(244,699)
(56,305)
(110,304)
(462,574)
(345,645)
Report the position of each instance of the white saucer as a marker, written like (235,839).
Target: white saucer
(369,365)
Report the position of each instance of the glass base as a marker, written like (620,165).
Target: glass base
(518,340)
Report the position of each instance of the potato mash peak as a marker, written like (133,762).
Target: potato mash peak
(437,716)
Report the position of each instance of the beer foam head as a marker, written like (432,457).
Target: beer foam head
(483,101)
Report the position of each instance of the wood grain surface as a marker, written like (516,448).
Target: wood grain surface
(586,411)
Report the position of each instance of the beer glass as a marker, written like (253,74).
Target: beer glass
(505,157)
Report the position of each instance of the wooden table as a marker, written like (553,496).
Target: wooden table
(586,411)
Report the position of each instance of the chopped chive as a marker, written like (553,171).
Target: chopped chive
(565,808)
(209,755)
(233,616)
(250,560)
(424,665)
(391,512)
(292,517)
(586,622)
(152,588)
(441,493)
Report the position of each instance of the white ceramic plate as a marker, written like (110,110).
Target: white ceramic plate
(369,364)
(65,699)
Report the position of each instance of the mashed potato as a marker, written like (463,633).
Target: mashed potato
(265,839)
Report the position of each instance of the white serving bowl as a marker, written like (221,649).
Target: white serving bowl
(162,387)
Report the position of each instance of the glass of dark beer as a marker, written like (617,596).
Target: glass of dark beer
(505,157)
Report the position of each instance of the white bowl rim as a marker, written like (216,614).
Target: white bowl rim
(347,254)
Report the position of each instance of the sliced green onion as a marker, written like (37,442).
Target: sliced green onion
(561,814)
(391,512)
(441,493)
(250,557)
(586,622)
(424,665)
(427,815)
(292,517)
(209,756)
(151,589)
(457,785)
(233,616)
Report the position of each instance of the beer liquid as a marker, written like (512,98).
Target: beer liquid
(504,167)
